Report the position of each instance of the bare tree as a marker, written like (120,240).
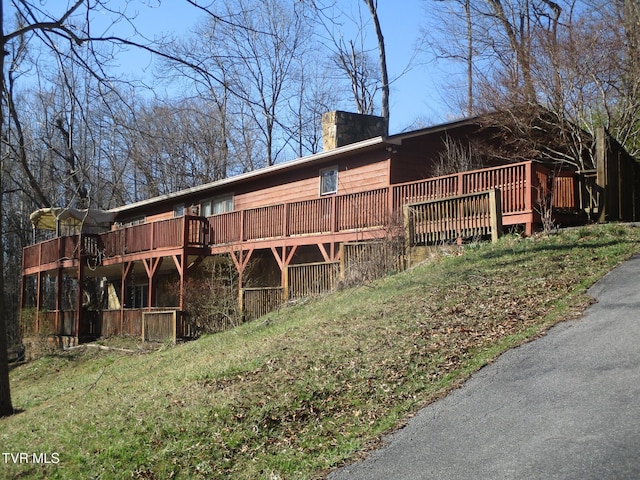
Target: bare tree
(352,58)
(454,40)
(576,58)
(618,81)
(456,157)
(317,94)
(356,64)
(255,47)
(61,35)
(382,56)
(176,145)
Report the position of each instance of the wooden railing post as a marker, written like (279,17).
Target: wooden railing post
(334,214)
(528,196)
(185,232)
(242,229)
(285,282)
(495,210)
(406,212)
(528,186)
(285,220)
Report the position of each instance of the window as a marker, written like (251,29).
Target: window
(136,221)
(178,210)
(206,209)
(217,205)
(137,296)
(328,180)
(130,223)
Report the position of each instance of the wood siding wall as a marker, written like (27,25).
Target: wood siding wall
(356,178)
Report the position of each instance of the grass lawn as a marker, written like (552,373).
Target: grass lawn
(306,388)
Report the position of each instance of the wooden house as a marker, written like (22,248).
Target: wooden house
(284,228)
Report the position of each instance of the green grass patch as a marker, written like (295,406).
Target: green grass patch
(309,387)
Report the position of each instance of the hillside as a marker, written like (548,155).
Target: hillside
(309,387)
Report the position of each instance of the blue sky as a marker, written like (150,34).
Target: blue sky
(416,98)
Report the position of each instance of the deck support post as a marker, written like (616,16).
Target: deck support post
(79,315)
(151,266)
(495,210)
(283,262)
(126,270)
(179,261)
(241,260)
(56,325)
(38,301)
(528,197)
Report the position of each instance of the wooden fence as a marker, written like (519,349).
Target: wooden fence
(311,279)
(260,301)
(367,261)
(360,261)
(160,326)
(152,325)
(617,182)
(453,218)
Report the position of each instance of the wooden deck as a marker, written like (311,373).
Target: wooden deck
(330,223)
(338,218)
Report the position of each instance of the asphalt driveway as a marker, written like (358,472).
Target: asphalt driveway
(566,406)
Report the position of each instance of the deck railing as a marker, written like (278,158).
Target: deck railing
(59,249)
(340,213)
(263,222)
(520,185)
(451,218)
(514,181)
(362,210)
(311,216)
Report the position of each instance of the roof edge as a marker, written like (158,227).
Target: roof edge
(309,159)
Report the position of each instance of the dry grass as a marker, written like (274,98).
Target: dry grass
(302,390)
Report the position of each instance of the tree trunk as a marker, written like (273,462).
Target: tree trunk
(467,9)
(6,407)
(372,4)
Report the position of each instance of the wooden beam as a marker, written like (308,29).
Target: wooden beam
(195,263)
(79,301)
(126,269)
(330,254)
(284,259)
(178,261)
(242,259)
(151,265)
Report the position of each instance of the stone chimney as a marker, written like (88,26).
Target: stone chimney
(343,128)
